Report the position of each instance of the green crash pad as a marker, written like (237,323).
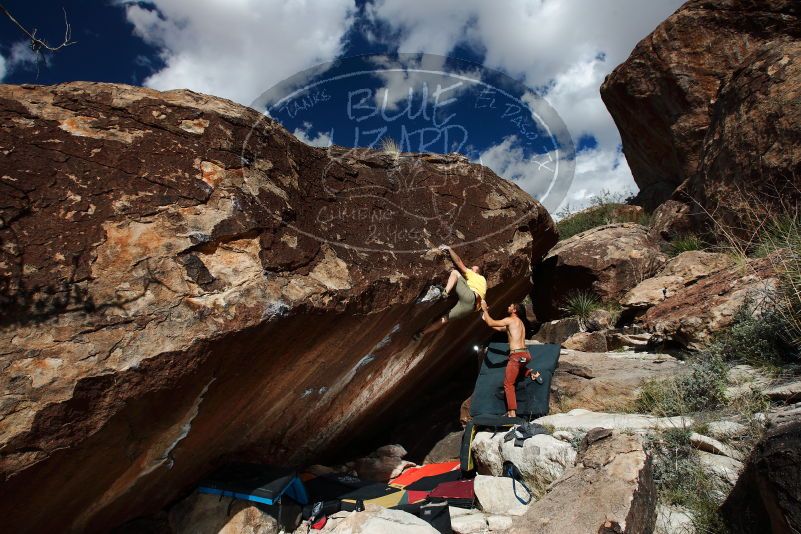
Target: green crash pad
(532,397)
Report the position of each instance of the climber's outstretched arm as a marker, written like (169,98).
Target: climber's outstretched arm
(457,261)
(493,323)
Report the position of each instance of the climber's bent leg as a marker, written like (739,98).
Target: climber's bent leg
(467,301)
(433,327)
(454,276)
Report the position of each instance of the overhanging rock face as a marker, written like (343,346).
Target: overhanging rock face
(183,281)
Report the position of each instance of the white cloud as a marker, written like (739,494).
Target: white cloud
(2,67)
(441,87)
(566,47)
(22,57)
(600,170)
(322,139)
(238,48)
(532,173)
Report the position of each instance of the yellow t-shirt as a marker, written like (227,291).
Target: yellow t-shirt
(476,282)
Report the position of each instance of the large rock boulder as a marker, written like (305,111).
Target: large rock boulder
(541,460)
(767,495)
(209,514)
(382,465)
(606,261)
(692,314)
(684,270)
(606,381)
(611,489)
(672,219)
(182,280)
(378,520)
(499,495)
(751,159)
(663,97)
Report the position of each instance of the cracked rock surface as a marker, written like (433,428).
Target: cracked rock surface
(709,96)
(610,489)
(181,281)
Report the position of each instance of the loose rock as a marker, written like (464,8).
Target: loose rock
(379,520)
(606,381)
(685,269)
(606,261)
(467,523)
(384,464)
(557,331)
(610,489)
(541,460)
(788,392)
(725,468)
(707,444)
(671,219)
(694,313)
(673,520)
(208,514)
(586,342)
(496,495)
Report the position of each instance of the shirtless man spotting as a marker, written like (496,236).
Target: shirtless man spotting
(518,353)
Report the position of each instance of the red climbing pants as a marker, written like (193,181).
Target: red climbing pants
(514,369)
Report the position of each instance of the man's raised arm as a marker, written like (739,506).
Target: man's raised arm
(457,261)
(492,323)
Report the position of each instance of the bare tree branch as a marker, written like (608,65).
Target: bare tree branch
(37,44)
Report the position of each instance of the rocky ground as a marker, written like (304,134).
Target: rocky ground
(603,460)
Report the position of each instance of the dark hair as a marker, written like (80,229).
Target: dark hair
(520,310)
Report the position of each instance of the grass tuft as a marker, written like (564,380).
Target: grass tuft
(389,146)
(681,479)
(580,304)
(759,337)
(701,388)
(686,243)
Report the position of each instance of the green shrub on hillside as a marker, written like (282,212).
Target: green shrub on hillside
(606,208)
(781,240)
(702,388)
(761,340)
(681,479)
(781,232)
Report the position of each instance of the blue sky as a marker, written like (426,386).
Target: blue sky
(561,49)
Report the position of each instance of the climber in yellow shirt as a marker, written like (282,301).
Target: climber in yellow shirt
(470,287)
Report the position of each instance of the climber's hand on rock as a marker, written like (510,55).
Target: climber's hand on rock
(484,305)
